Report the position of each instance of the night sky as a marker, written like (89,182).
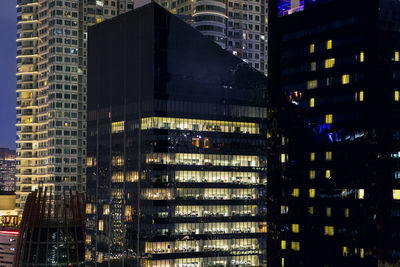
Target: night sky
(7,73)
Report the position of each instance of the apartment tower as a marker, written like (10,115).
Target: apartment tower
(176,147)
(334,140)
(51,91)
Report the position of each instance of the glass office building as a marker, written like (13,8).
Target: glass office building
(176,147)
(333,161)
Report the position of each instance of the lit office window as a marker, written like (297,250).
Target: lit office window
(345,78)
(295,228)
(311,210)
(117,127)
(88,239)
(328,212)
(295,246)
(359,96)
(329,44)
(296,192)
(360,194)
(361,56)
(361,253)
(101,225)
(313,66)
(312,156)
(329,63)
(396,194)
(396,95)
(328,118)
(346,212)
(106,209)
(329,230)
(311,192)
(283,244)
(284,209)
(396,56)
(312,102)
(328,174)
(312,48)
(284,158)
(283,262)
(312,84)
(328,155)
(345,251)
(312,174)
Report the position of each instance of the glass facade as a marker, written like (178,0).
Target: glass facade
(169,185)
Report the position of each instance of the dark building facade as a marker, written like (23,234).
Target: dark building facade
(176,147)
(333,159)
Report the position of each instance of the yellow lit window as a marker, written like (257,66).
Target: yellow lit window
(101,225)
(345,251)
(88,255)
(361,56)
(295,246)
(313,66)
(360,194)
(88,208)
(311,192)
(396,56)
(106,209)
(396,95)
(359,96)
(88,239)
(98,20)
(100,257)
(312,102)
(312,156)
(196,142)
(312,84)
(329,44)
(283,262)
(296,192)
(312,174)
(329,63)
(283,158)
(328,118)
(311,210)
(396,194)
(361,253)
(328,212)
(328,155)
(345,78)
(312,48)
(283,244)
(346,212)
(295,228)
(328,174)
(117,127)
(329,230)
(206,143)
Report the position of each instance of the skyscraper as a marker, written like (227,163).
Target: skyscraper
(240,26)
(176,147)
(7,169)
(51,91)
(333,161)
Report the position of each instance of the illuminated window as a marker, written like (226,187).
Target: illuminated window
(89,208)
(328,212)
(196,142)
(283,244)
(117,127)
(312,84)
(296,192)
(283,262)
(328,118)
(311,210)
(106,209)
(345,251)
(312,156)
(312,102)
(312,174)
(283,158)
(361,253)
(313,66)
(101,225)
(88,239)
(206,143)
(100,257)
(360,194)
(312,48)
(396,95)
(329,230)
(345,78)
(328,174)
(117,161)
(346,212)
(359,96)
(361,56)
(311,192)
(328,155)
(295,228)
(396,56)
(329,63)
(396,194)
(284,209)
(329,44)
(329,81)
(98,20)
(295,246)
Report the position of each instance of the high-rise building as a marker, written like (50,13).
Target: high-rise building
(176,147)
(334,141)
(51,91)
(52,233)
(240,26)
(7,169)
